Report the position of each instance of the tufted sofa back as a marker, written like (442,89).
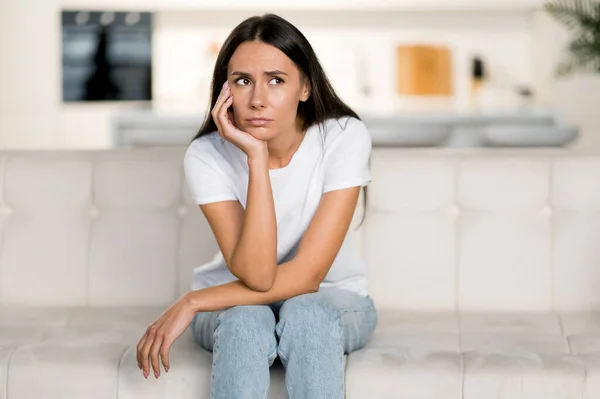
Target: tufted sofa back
(484,230)
(469,230)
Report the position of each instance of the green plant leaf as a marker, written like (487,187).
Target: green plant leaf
(574,14)
(582,17)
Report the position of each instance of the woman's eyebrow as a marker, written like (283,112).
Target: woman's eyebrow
(275,72)
(269,73)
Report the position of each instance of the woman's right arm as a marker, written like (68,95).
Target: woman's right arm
(248,239)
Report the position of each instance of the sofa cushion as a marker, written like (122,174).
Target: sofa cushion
(76,352)
(471,355)
(91,352)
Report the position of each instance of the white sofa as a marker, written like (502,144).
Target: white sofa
(484,264)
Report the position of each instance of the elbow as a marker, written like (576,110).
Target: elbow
(259,286)
(260,282)
(312,288)
(313,284)
(255,279)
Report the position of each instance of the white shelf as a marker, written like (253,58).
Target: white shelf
(310,5)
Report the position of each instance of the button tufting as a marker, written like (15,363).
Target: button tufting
(94,211)
(454,210)
(5,210)
(547,210)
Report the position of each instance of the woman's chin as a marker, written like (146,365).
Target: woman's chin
(259,132)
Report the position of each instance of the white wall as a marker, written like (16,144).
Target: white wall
(340,38)
(32,115)
(577,97)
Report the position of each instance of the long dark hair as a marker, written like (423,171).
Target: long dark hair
(322,104)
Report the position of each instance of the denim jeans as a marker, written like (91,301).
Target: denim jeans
(310,333)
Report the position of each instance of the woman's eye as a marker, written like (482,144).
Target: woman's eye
(245,80)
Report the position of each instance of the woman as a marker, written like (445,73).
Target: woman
(276,169)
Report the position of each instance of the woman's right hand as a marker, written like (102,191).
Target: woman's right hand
(223,118)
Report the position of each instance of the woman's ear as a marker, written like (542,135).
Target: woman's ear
(305,90)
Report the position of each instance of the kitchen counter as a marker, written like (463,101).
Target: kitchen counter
(415,128)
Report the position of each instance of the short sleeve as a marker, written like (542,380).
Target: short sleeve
(347,157)
(205,183)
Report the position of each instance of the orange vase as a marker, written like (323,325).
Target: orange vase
(424,70)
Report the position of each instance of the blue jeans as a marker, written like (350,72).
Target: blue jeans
(310,333)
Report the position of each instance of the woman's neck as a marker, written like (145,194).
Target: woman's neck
(283,147)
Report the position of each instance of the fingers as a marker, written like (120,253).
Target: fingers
(219,104)
(231,117)
(164,354)
(158,340)
(140,345)
(222,115)
(146,346)
(153,344)
(224,108)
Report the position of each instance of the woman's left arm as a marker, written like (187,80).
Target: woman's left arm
(317,250)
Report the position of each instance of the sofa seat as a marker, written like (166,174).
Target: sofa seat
(90,352)
(469,354)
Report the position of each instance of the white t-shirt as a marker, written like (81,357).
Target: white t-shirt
(332,156)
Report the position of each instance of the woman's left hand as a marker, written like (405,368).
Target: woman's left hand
(161,334)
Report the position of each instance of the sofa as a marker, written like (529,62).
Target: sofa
(484,265)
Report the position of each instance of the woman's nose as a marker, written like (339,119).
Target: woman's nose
(258,99)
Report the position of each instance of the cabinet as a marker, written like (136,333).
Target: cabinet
(314,5)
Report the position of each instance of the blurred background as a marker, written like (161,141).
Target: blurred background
(86,74)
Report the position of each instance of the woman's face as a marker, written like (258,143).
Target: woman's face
(265,83)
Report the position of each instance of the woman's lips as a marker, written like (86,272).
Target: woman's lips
(258,122)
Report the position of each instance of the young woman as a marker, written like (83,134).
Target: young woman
(277,170)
